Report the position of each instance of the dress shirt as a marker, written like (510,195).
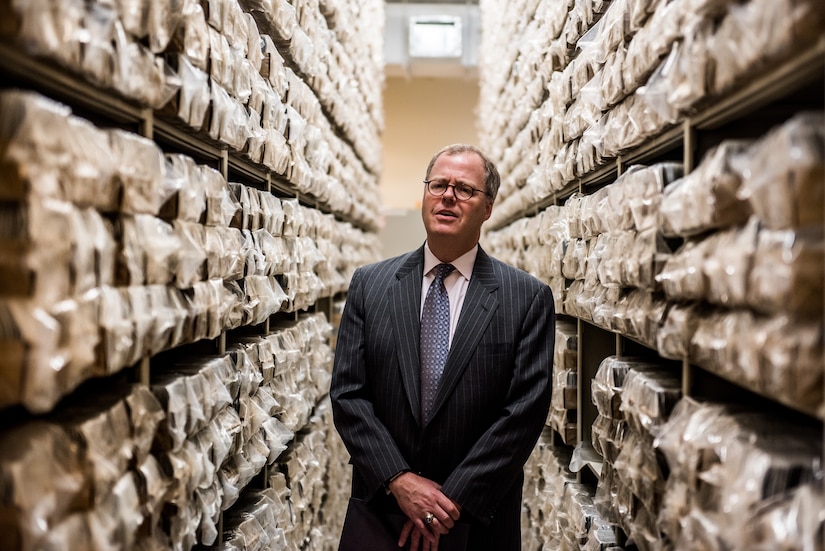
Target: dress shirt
(456,283)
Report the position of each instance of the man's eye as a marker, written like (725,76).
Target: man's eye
(439,185)
(464,189)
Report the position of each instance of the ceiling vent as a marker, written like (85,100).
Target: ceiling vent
(435,36)
(431,40)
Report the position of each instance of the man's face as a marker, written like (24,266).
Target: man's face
(446,216)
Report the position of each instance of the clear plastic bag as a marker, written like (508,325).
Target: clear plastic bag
(649,394)
(194,96)
(782,173)
(786,272)
(140,170)
(706,198)
(682,277)
(51,29)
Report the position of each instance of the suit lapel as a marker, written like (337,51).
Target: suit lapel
(480,304)
(405,302)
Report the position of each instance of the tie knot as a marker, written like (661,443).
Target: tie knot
(443,270)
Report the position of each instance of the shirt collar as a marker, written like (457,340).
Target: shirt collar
(463,264)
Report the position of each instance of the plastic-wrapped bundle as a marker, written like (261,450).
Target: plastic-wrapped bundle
(101,427)
(573,210)
(191,104)
(140,75)
(644,195)
(726,465)
(263,297)
(221,207)
(190,267)
(51,29)
(574,261)
(783,172)
(53,154)
(754,33)
(223,248)
(192,394)
(648,396)
(652,41)
(565,352)
(149,251)
(564,389)
(272,67)
(228,119)
(674,336)
(787,272)
(682,277)
(715,269)
(706,198)
(546,473)
(607,384)
(70,476)
(639,314)
(681,79)
(252,523)
(576,515)
(790,355)
(638,468)
(788,521)
(608,494)
(728,263)
(608,436)
(191,37)
(55,250)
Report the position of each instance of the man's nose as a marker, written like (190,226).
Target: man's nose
(451,190)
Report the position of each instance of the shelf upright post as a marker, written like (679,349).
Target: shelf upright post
(222,343)
(144,371)
(688,161)
(224,158)
(147,123)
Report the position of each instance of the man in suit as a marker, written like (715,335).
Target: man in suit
(449,460)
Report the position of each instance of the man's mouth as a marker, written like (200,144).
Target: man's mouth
(446,213)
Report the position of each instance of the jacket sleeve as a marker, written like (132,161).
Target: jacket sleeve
(374,454)
(496,460)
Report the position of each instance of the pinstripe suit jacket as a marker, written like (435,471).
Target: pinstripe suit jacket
(492,399)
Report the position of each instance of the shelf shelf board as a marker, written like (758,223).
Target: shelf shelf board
(56,83)
(815,413)
(667,140)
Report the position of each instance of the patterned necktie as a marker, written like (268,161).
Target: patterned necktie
(435,337)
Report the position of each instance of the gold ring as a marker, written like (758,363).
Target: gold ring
(429,519)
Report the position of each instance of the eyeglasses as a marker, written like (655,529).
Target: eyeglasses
(462,192)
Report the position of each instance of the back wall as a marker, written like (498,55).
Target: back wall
(421,115)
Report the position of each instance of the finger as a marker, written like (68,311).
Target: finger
(443,521)
(419,540)
(426,533)
(405,533)
(438,528)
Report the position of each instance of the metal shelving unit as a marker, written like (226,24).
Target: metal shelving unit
(802,71)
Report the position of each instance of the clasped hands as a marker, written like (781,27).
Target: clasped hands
(419,497)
